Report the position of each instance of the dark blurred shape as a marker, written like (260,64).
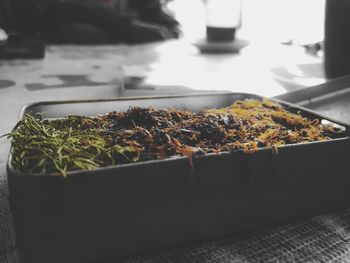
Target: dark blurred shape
(221,47)
(337,38)
(5,14)
(90,21)
(17,46)
(151,11)
(6,83)
(220,33)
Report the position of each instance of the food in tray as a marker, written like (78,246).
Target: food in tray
(41,146)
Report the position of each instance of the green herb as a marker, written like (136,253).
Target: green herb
(44,147)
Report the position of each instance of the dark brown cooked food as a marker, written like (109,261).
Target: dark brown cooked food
(77,143)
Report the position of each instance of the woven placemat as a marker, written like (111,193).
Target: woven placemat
(323,238)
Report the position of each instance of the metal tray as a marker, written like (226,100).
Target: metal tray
(105,214)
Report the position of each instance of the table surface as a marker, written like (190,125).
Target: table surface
(177,67)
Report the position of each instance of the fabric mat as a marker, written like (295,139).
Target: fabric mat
(323,238)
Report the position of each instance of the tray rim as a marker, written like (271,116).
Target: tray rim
(13,172)
(131,98)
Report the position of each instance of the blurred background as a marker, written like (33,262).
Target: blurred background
(282,40)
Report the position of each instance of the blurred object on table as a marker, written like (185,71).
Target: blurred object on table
(93,21)
(337,38)
(15,46)
(219,47)
(223,18)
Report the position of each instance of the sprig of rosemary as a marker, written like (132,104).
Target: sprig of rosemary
(45,147)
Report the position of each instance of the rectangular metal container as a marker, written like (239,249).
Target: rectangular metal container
(102,215)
